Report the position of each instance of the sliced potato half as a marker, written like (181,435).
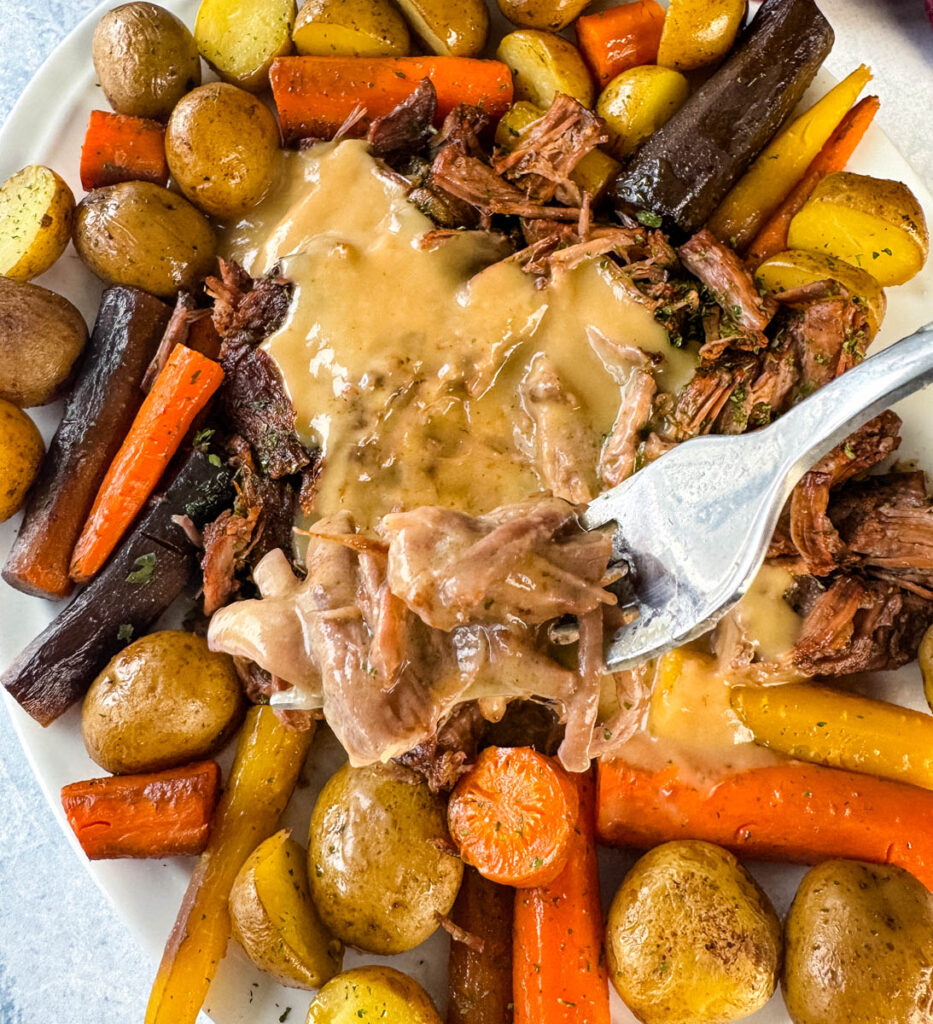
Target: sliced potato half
(241,38)
(449,28)
(372,994)
(542,65)
(550,15)
(637,102)
(37,211)
(350,28)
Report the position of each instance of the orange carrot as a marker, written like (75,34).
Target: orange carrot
(621,38)
(513,815)
(119,147)
(802,813)
(182,388)
(834,155)
(160,814)
(315,95)
(559,968)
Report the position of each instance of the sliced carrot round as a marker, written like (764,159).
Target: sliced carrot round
(513,816)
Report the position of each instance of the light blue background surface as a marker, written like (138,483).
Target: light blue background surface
(65,955)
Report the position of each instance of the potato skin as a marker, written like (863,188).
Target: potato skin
(544,64)
(241,38)
(449,28)
(548,15)
(925,657)
(372,993)
(859,944)
(377,875)
(41,336)
(691,938)
(222,144)
(162,701)
(699,32)
(350,28)
(37,210)
(21,452)
(145,59)
(637,102)
(144,236)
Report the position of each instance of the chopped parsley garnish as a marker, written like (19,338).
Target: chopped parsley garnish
(144,568)
(649,218)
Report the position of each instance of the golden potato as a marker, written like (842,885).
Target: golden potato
(859,945)
(350,28)
(795,268)
(637,102)
(37,212)
(691,938)
(21,452)
(372,993)
(162,701)
(548,15)
(699,32)
(144,236)
(241,38)
(925,657)
(449,28)
(873,223)
(274,920)
(41,336)
(222,147)
(145,59)
(543,65)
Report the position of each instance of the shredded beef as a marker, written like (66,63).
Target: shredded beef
(451,751)
(406,129)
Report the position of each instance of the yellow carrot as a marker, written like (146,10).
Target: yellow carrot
(782,163)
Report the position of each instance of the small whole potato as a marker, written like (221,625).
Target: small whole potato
(144,236)
(21,452)
(859,946)
(162,701)
(378,872)
(691,938)
(637,102)
(372,994)
(145,59)
(222,144)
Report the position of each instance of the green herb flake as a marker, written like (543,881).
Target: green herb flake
(202,437)
(820,725)
(125,631)
(285,1013)
(144,566)
(649,218)
(214,460)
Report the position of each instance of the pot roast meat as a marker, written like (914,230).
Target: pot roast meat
(405,131)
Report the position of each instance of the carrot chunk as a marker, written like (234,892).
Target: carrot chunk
(513,815)
(119,147)
(621,38)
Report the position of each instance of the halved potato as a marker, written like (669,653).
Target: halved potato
(543,65)
(372,994)
(21,453)
(450,28)
(350,28)
(241,38)
(37,211)
(872,223)
(699,32)
(549,15)
(637,102)
(795,267)
(274,920)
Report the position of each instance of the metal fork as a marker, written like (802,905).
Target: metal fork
(695,525)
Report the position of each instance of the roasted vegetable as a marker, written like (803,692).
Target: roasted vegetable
(544,64)
(925,657)
(241,38)
(691,938)
(98,413)
(268,759)
(41,336)
(637,102)
(120,147)
(449,28)
(144,576)
(37,210)
(350,28)
(143,236)
(274,919)
(859,947)
(699,32)
(547,15)
(145,59)
(372,993)
(21,452)
(873,223)
(165,814)
(622,37)
(222,144)
(686,168)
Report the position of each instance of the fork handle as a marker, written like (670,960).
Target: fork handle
(816,425)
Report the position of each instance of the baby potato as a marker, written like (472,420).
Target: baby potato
(691,938)
(41,336)
(274,920)
(699,32)
(873,223)
(372,993)
(145,59)
(859,943)
(548,15)
(637,102)
(222,144)
(21,452)
(794,268)
(543,65)
(144,236)
(378,873)
(162,701)
(449,28)
(241,38)
(350,28)
(37,211)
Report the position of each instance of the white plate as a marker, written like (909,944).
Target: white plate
(47,126)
